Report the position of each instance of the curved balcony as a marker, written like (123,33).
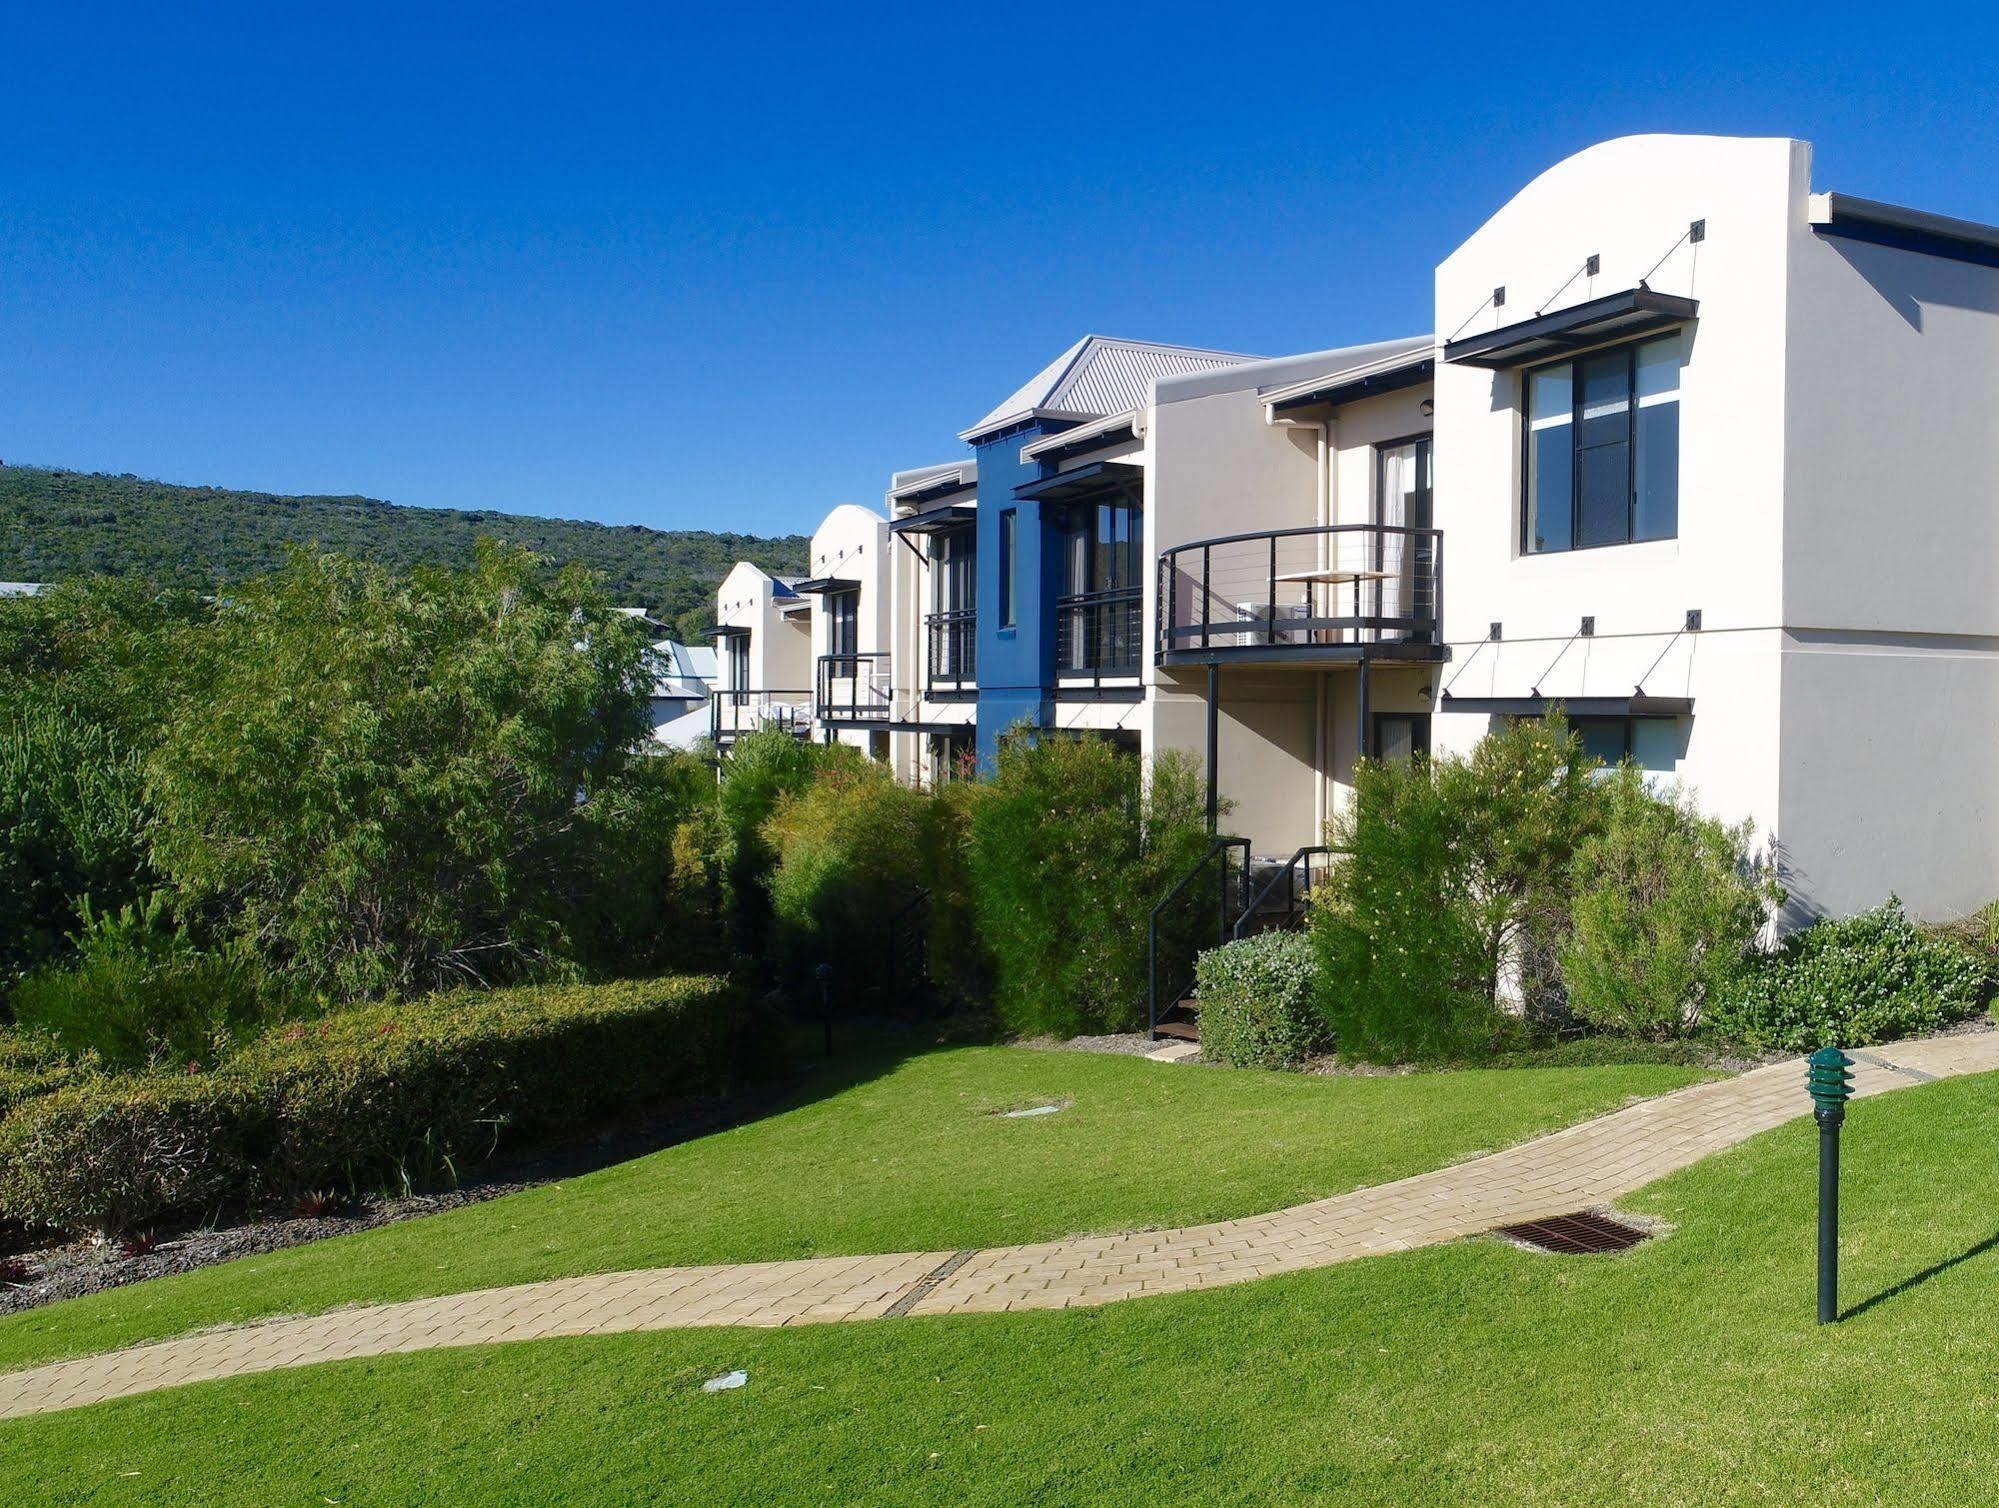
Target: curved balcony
(1340,592)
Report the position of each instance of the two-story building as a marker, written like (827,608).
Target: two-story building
(1719,473)
(763,649)
(1715,460)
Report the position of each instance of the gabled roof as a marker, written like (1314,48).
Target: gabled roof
(1098,376)
(693,662)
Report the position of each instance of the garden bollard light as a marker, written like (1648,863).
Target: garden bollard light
(824,974)
(1829,1079)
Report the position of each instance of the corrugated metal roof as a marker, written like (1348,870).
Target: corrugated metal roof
(1098,376)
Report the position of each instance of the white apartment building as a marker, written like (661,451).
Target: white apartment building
(763,646)
(1713,460)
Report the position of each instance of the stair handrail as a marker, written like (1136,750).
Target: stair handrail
(895,921)
(1285,874)
(1215,846)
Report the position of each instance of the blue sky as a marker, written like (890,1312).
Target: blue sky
(695,266)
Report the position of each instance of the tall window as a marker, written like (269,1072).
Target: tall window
(1603,449)
(1098,629)
(954,571)
(1403,499)
(843,625)
(739,663)
(1007,568)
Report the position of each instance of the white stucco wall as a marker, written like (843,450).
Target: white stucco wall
(852,542)
(1628,202)
(779,647)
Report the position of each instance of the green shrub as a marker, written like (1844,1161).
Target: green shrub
(1665,907)
(1453,888)
(1069,846)
(851,852)
(1869,978)
(627,917)
(140,992)
(383,1093)
(72,824)
(1256,1002)
(762,769)
(388,783)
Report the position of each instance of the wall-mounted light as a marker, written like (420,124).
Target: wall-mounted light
(1429,407)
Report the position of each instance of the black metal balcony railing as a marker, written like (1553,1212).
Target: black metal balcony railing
(952,659)
(852,688)
(1343,586)
(1097,635)
(732,712)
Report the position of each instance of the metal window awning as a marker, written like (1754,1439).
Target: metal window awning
(726,631)
(1634,312)
(1345,388)
(1571,706)
(825,586)
(937,520)
(1084,483)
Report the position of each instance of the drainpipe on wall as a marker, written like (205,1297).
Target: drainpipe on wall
(1326,513)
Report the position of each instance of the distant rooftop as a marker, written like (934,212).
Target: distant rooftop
(1098,376)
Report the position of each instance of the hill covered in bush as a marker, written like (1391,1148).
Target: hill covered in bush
(55,525)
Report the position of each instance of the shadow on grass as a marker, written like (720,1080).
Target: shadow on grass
(1916,1280)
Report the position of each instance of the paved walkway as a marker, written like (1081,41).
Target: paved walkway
(1584,1165)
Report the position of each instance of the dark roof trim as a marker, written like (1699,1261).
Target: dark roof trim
(1348,389)
(936,521)
(1082,482)
(936,491)
(1572,706)
(821,586)
(1848,218)
(1120,434)
(1616,316)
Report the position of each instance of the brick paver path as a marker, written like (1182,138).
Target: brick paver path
(1572,1169)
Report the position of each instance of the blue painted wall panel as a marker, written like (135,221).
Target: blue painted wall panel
(1016,665)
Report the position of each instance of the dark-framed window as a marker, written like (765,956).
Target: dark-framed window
(1096,631)
(739,662)
(1101,543)
(954,571)
(1651,743)
(1401,736)
(1602,446)
(843,626)
(1008,568)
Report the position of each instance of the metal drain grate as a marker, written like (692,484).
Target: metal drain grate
(1584,1233)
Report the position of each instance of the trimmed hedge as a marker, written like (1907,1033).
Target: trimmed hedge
(1256,1001)
(389,1093)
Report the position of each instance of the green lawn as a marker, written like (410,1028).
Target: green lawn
(883,1154)
(1686,1372)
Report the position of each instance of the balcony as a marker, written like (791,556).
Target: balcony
(732,713)
(1097,637)
(1344,592)
(852,688)
(951,655)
